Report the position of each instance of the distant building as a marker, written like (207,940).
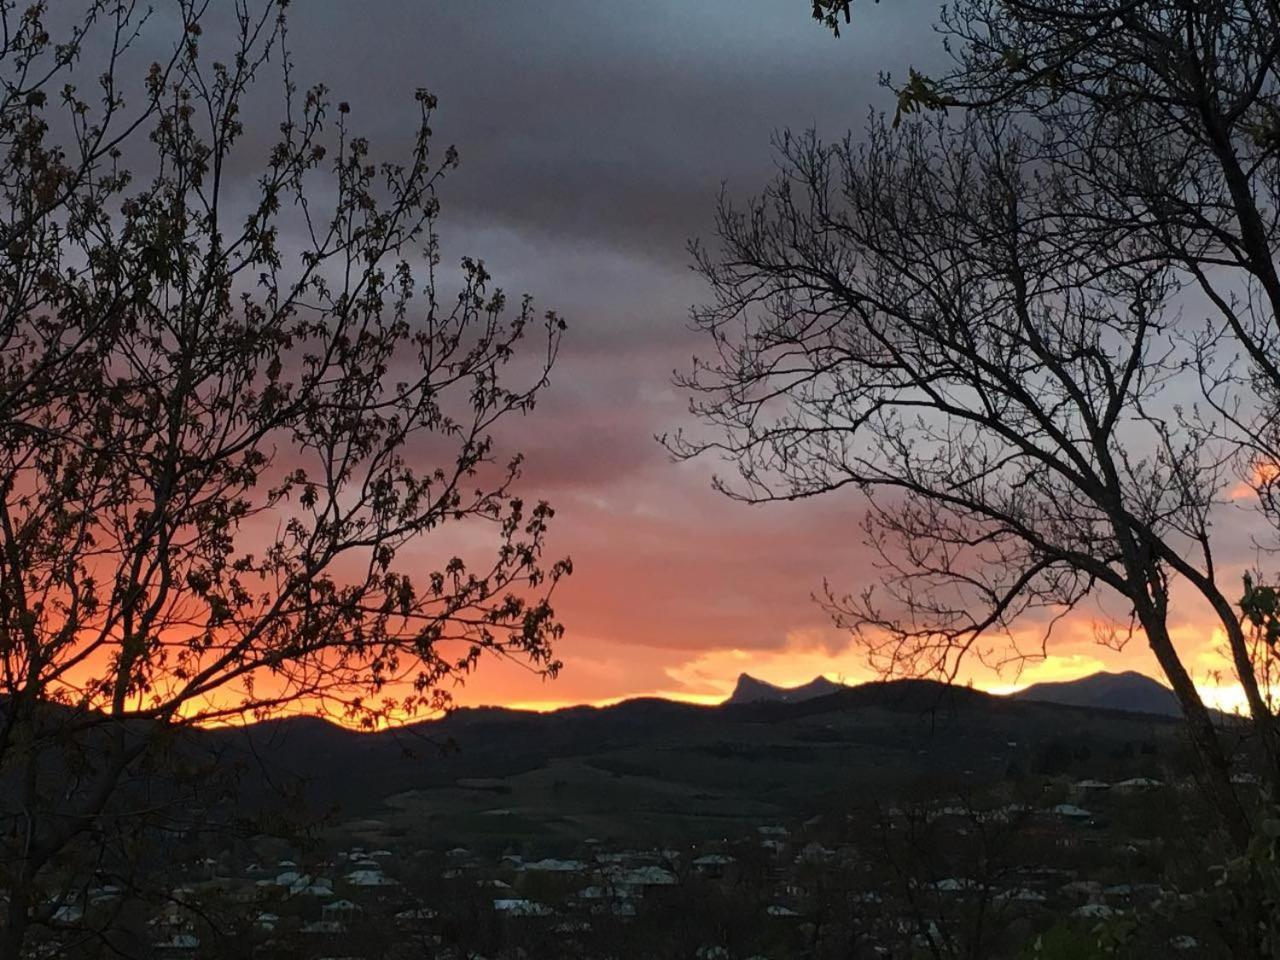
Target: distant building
(323,928)
(521,908)
(369,878)
(1137,785)
(648,876)
(710,861)
(341,910)
(176,946)
(552,865)
(412,918)
(1071,812)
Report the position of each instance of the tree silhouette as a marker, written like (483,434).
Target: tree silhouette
(975,319)
(227,418)
(904,318)
(1166,115)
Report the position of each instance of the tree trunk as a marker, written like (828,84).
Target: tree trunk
(16,922)
(1215,767)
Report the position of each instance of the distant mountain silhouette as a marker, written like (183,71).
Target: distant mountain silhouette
(1131,691)
(781,746)
(651,761)
(751,690)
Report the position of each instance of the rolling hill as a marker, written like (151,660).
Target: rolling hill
(651,768)
(648,769)
(1130,691)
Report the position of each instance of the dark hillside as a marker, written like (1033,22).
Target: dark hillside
(1131,691)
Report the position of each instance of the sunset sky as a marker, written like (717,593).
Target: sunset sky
(594,138)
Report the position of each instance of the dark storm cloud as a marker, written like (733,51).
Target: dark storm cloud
(594,138)
(613,123)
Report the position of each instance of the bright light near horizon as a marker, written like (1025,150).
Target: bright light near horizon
(1227,698)
(549,706)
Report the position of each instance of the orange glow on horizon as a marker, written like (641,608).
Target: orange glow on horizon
(1227,697)
(707,676)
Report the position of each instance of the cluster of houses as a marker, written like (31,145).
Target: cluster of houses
(360,903)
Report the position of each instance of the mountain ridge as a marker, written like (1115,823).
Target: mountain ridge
(881,728)
(1128,690)
(750,689)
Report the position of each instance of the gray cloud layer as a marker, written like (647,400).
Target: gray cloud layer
(594,138)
